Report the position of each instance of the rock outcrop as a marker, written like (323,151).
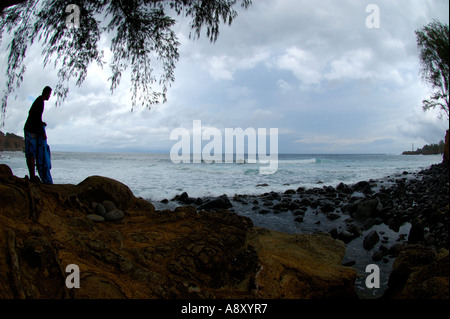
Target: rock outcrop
(146,253)
(11,142)
(418,273)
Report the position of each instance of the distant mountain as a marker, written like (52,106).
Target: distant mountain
(11,142)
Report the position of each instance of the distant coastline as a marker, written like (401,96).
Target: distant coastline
(432,149)
(11,142)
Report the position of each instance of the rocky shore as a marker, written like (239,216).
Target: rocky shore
(138,252)
(207,248)
(347,212)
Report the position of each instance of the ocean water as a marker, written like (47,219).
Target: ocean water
(155,177)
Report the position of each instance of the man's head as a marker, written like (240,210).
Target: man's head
(46,93)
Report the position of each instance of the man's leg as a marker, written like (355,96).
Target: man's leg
(30,154)
(31,168)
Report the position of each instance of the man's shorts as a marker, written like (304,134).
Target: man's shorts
(30,145)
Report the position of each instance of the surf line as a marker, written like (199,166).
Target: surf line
(233,144)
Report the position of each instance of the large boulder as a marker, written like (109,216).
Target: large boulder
(184,253)
(419,273)
(99,189)
(221,202)
(370,240)
(363,209)
(304,266)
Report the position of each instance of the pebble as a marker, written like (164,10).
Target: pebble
(114,215)
(346,236)
(333,216)
(100,210)
(349,263)
(109,205)
(95,218)
(354,229)
(299,219)
(377,256)
(370,240)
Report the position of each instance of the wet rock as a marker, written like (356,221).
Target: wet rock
(109,205)
(97,187)
(363,187)
(369,222)
(287,248)
(363,209)
(370,240)
(327,205)
(114,215)
(100,210)
(344,188)
(333,216)
(354,229)
(183,197)
(281,207)
(299,219)
(395,249)
(299,212)
(349,263)
(221,202)
(305,201)
(5,172)
(416,234)
(419,273)
(95,218)
(377,255)
(295,204)
(334,233)
(346,236)
(268,203)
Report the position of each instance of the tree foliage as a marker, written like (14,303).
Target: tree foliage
(428,149)
(143,40)
(433,44)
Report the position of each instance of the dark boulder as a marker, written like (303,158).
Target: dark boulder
(370,240)
(221,202)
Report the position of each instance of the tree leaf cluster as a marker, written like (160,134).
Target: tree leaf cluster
(433,44)
(142,40)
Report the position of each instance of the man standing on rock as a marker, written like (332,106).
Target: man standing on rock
(34,130)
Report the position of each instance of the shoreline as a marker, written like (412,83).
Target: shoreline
(123,248)
(349,212)
(394,195)
(376,219)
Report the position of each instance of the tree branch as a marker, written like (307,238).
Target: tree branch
(8,3)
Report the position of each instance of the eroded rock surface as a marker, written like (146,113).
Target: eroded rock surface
(182,253)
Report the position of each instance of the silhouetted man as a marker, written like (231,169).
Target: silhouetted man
(33,129)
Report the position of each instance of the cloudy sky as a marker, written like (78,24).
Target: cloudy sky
(312,69)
